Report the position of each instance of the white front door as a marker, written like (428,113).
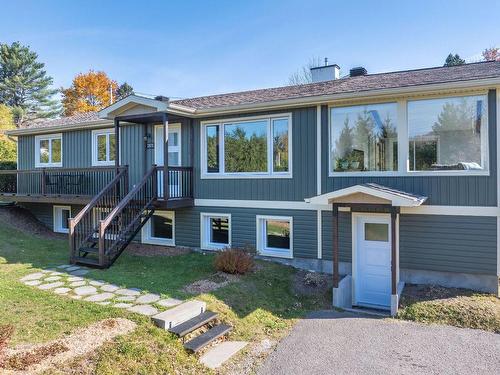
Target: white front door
(372,273)
(174,155)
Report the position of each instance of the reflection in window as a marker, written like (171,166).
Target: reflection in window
(245,147)
(364,138)
(49,150)
(219,230)
(447,133)
(280,145)
(277,234)
(162,226)
(376,232)
(212,138)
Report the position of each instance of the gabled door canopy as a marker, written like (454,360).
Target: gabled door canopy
(369,193)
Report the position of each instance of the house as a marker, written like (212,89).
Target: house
(392,176)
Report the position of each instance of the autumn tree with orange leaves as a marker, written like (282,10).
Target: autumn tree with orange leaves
(89,92)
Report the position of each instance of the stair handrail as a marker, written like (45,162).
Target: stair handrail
(73,222)
(106,222)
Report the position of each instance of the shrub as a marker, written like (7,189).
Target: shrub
(234,261)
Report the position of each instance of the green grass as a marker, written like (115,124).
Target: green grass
(260,305)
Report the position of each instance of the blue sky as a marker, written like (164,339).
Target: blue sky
(191,48)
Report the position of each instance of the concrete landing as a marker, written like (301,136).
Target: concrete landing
(220,353)
(179,314)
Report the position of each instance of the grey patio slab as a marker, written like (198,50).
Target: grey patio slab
(80,272)
(52,278)
(50,285)
(169,302)
(85,290)
(75,278)
(74,284)
(96,282)
(147,298)
(110,288)
(99,297)
(64,266)
(62,290)
(33,276)
(128,292)
(220,353)
(126,298)
(144,310)
(72,268)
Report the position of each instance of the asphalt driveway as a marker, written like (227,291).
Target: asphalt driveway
(329,342)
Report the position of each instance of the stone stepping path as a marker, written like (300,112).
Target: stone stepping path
(69,280)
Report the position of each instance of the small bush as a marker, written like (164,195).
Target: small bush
(234,261)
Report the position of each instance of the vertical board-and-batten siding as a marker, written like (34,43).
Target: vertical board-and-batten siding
(430,242)
(440,190)
(244,227)
(301,186)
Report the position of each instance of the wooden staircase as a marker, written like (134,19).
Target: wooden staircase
(104,228)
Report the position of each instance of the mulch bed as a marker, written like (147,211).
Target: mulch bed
(312,283)
(145,250)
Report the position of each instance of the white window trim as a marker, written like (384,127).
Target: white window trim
(49,137)
(177,128)
(261,240)
(56,218)
(205,244)
(146,232)
(95,134)
(403,141)
(243,175)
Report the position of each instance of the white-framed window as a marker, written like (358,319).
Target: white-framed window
(251,147)
(275,236)
(48,150)
(440,135)
(103,147)
(160,229)
(61,214)
(215,231)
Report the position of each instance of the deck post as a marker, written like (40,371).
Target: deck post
(166,189)
(335,232)
(117,145)
(394,286)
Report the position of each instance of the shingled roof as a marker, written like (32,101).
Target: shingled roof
(369,82)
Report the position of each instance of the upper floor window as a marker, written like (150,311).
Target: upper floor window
(48,150)
(103,147)
(252,147)
(364,138)
(447,134)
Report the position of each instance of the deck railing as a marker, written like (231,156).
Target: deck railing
(56,181)
(180,181)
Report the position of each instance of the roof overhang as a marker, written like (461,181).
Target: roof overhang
(369,194)
(131,102)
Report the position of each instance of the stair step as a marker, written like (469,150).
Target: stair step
(189,326)
(179,314)
(199,342)
(92,250)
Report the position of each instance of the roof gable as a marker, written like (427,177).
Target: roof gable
(132,105)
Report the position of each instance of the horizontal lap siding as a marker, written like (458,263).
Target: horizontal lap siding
(243,227)
(448,243)
(301,186)
(440,190)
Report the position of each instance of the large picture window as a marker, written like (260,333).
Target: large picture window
(103,147)
(48,150)
(447,134)
(253,147)
(364,138)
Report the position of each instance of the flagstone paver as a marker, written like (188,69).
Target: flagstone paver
(62,290)
(52,278)
(143,309)
(85,290)
(104,303)
(110,288)
(51,285)
(99,297)
(147,298)
(33,282)
(122,305)
(80,272)
(128,292)
(169,302)
(126,298)
(77,283)
(76,297)
(64,266)
(33,276)
(72,268)
(75,278)
(56,273)
(96,282)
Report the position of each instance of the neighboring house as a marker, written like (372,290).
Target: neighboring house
(392,175)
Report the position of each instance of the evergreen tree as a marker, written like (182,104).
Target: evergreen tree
(453,60)
(25,85)
(344,144)
(123,91)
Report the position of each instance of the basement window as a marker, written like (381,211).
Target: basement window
(215,231)
(275,236)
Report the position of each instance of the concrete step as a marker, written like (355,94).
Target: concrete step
(179,314)
(190,325)
(220,353)
(199,342)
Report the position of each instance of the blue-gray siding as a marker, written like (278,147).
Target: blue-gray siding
(303,183)
(441,190)
(44,212)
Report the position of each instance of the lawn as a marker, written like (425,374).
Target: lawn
(262,305)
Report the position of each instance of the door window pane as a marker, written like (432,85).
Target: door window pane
(173,158)
(162,226)
(447,133)
(212,149)
(364,138)
(219,230)
(376,232)
(245,147)
(277,234)
(280,145)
